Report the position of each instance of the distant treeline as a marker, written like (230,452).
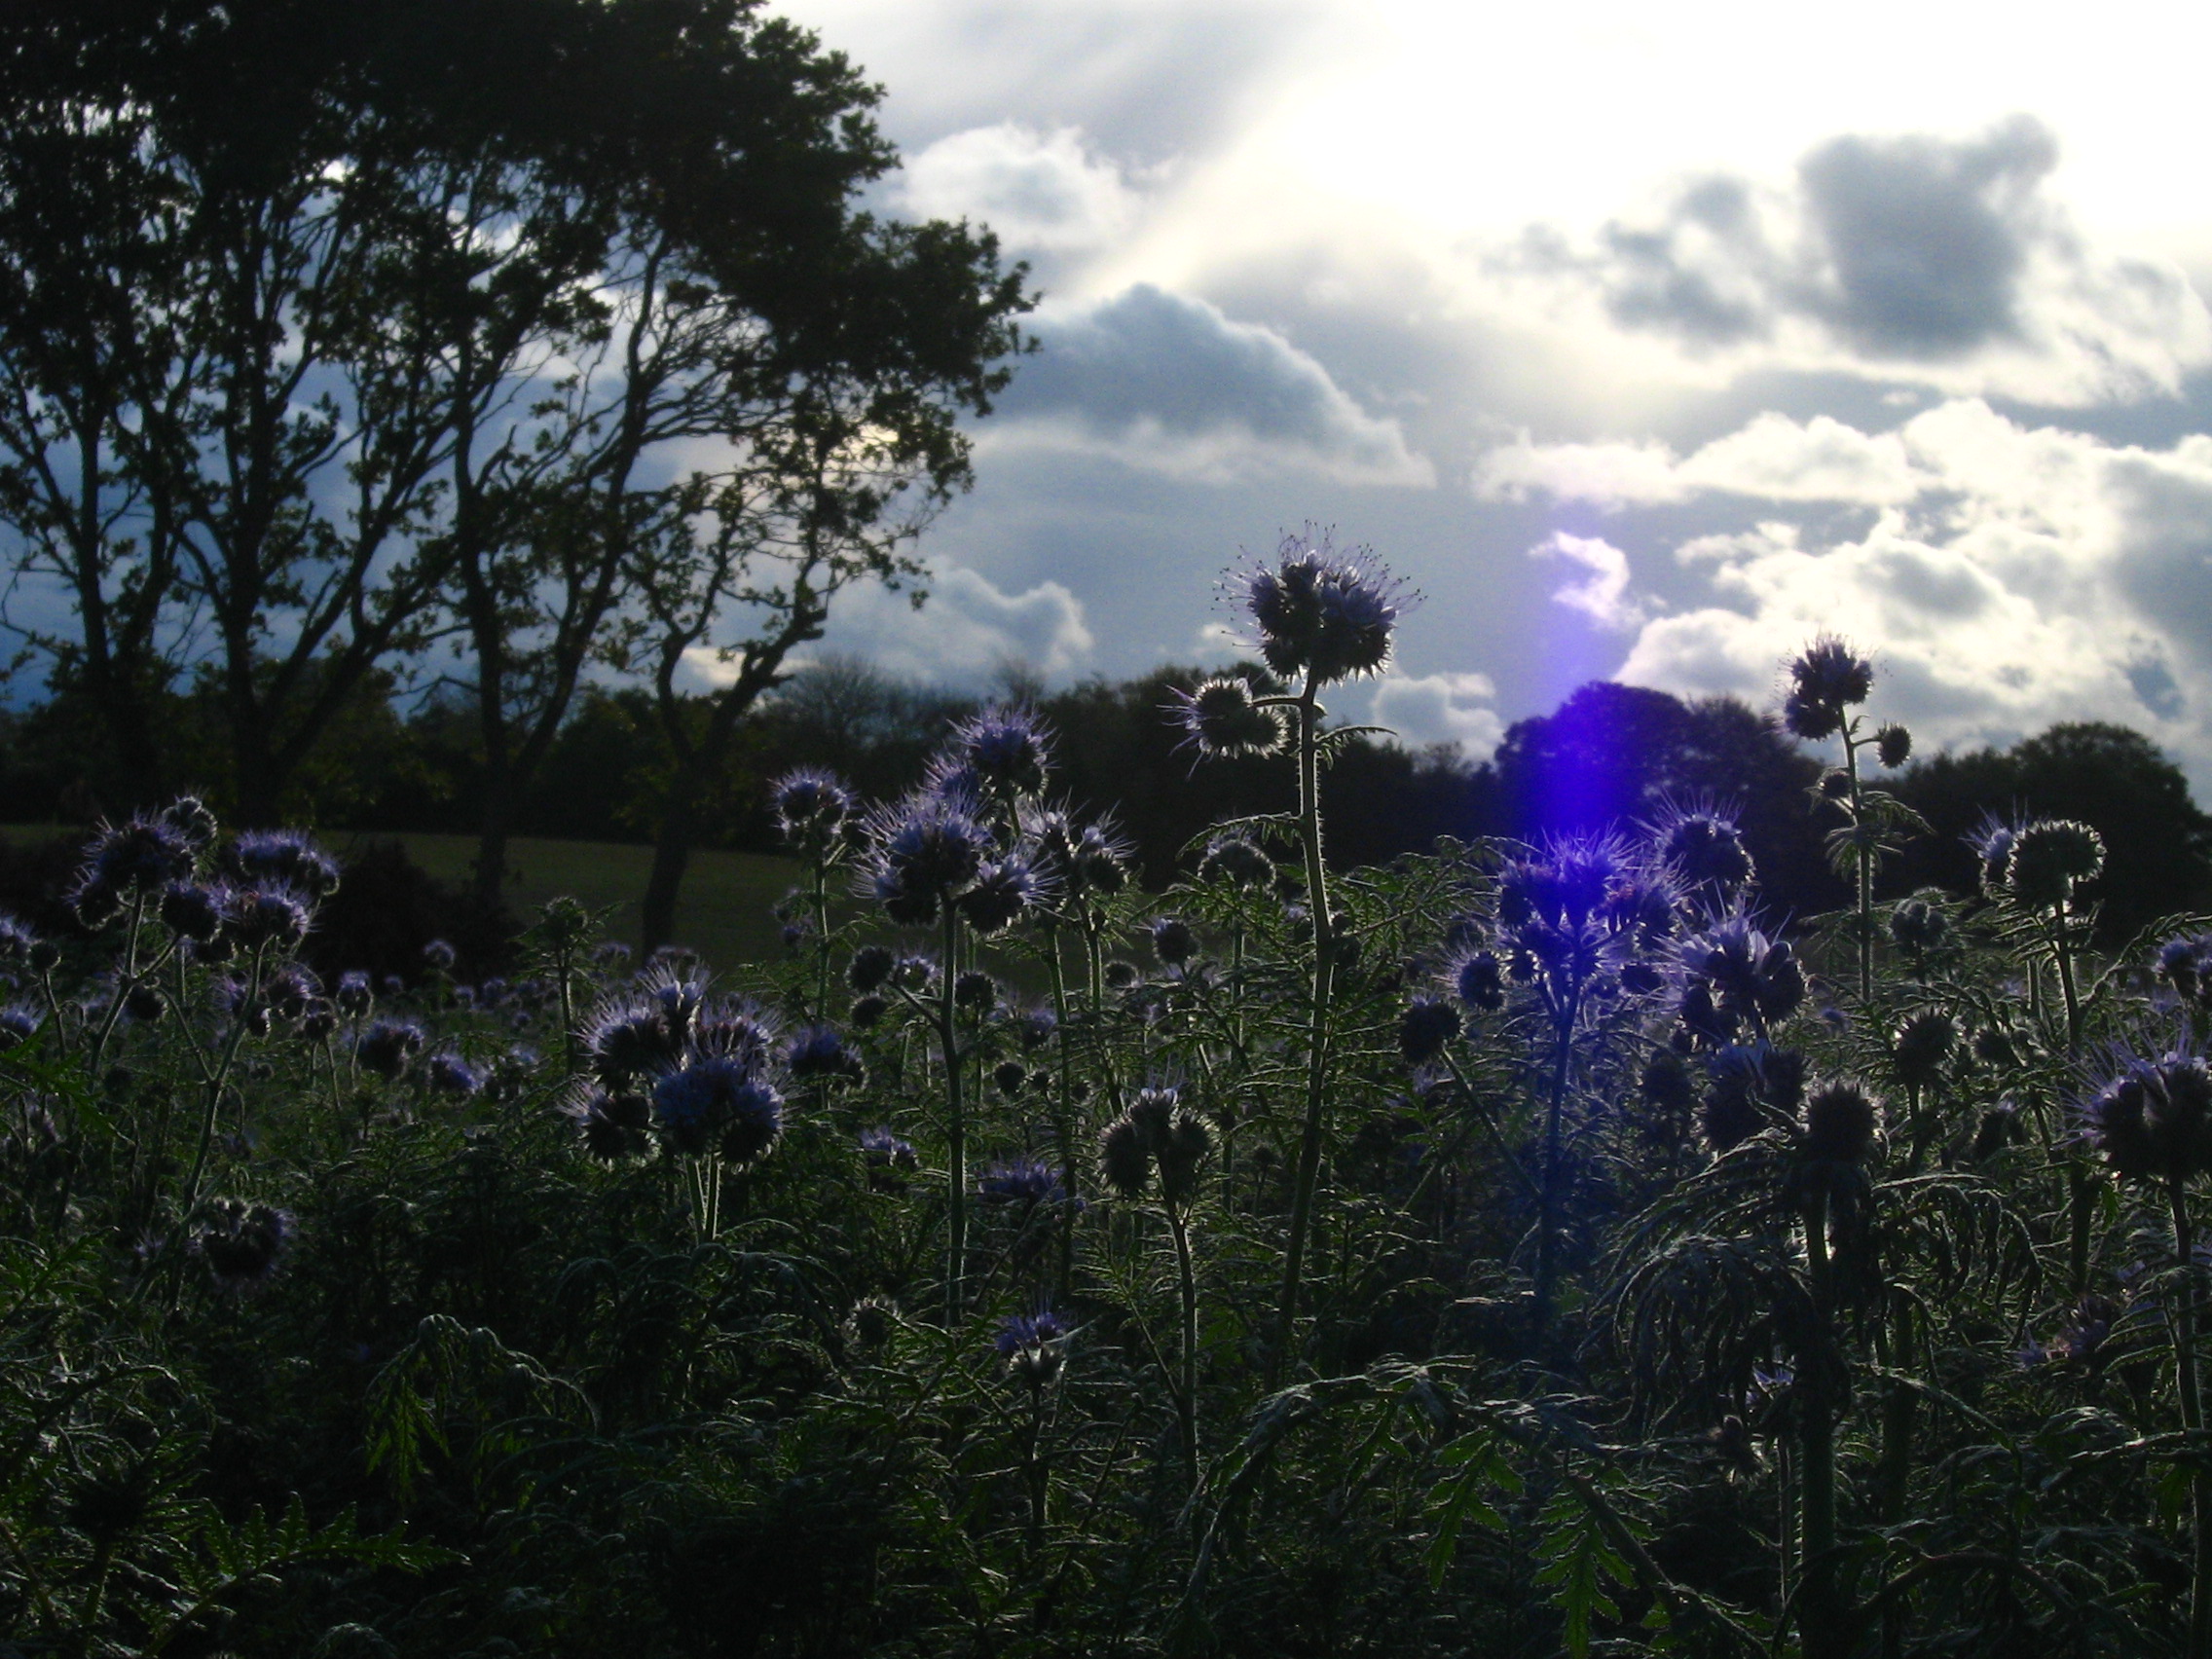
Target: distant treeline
(1609,754)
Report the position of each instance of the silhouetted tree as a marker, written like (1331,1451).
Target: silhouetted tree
(1613,755)
(2158,844)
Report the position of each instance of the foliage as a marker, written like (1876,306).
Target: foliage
(1520,1248)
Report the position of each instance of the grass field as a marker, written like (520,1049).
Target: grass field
(723,915)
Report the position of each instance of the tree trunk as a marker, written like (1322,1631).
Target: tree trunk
(672,856)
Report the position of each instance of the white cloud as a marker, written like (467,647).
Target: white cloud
(965,631)
(1441,708)
(1601,594)
(1166,383)
(1042,191)
(2010,578)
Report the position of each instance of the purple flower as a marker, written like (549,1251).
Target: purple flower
(1478,980)
(1705,849)
(192,910)
(1005,890)
(1172,940)
(1827,679)
(1019,1331)
(386,1047)
(242,1243)
(719,1103)
(129,860)
(353,995)
(819,1053)
(268,915)
(611,1126)
(1424,1028)
(811,808)
(285,856)
(449,1074)
(19,1023)
(2154,1121)
(1007,749)
(1237,861)
(924,852)
(1321,614)
(1222,719)
(1026,1181)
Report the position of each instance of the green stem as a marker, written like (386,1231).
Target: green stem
(1862,857)
(1317,1029)
(1187,1386)
(2187,1385)
(1555,1114)
(955,1126)
(1822,1619)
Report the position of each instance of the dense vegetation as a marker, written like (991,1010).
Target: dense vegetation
(1516,1248)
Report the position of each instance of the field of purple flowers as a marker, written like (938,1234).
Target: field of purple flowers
(1516,1251)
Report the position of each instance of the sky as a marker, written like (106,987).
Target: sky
(1645,342)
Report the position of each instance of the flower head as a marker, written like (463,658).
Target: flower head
(242,1243)
(2154,1121)
(924,852)
(1705,849)
(1827,679)
(1026,1181)
(1222,719)
(611,1126)
(1424,1028)
(287,856)
(1233,860)
(1007,749)
(2049,858)
(449,1074)
(386,1047)
(721,1103)
(1034,1346)
(819,1054)
(1004,890)
(1318,612)
(129,861)
(811,808)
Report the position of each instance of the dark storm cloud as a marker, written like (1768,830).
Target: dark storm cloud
(1150,362)
(1912,247)
(1922,240)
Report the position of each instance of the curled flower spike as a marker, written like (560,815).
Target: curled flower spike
(1705,849)
(353,997)
(2049,858)
(242,1243)
(386,1047)
(1007,749)
(1005,890)
(192,910)
(1478,980)
(811,808)
(1826,679)
(270,915)
(449,1074)
(285,856)
(924,852)
(129,861)
(719,1103)
(613,1127)
(1992,841)
(1172,940)
(1919,927)
(1841,1120)
(1923,1042)
(1320,613)
(1424,1028)
(819,1054)
(1023,1181)
(1893,746)
(1233,860)
(1034,1346)
(2154,1121)
(1222,719)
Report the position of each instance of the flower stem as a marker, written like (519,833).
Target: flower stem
(1308,714)
(955,1123)
(2187,1385)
